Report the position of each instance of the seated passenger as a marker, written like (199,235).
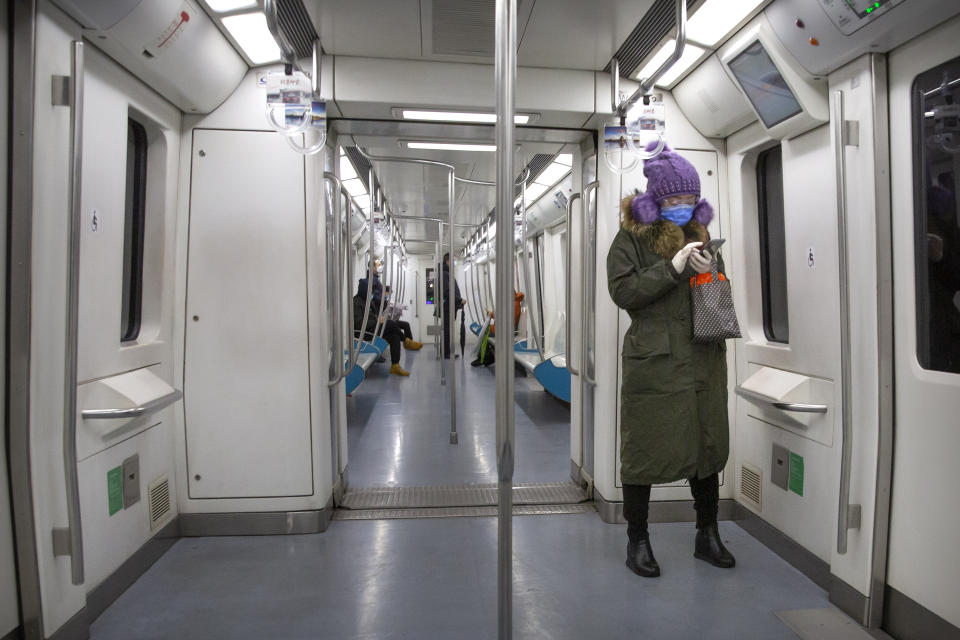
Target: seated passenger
(393,336)
(393,318)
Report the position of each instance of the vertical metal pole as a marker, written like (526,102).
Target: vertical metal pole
(505,73)
(438,301)
(452,307)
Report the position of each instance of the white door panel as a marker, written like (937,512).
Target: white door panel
(246,373)
(924,558)
(813,347)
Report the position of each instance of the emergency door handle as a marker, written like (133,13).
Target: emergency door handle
(133,412)
(800,407)
(796,407)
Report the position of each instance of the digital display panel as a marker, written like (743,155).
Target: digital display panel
(764,85)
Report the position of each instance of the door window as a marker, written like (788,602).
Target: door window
(936,147)
(133,231)
(773,256)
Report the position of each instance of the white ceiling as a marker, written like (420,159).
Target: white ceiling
(553,34)
(414,189)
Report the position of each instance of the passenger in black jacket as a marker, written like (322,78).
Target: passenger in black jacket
(445,310)
(392,334)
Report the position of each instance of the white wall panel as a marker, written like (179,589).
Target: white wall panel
(110,540)
(246,365)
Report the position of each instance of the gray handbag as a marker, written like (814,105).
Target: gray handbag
(711,299)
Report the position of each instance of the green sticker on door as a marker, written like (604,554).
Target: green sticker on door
(115,489)
(796,474)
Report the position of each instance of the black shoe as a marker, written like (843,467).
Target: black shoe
(640,559)
(709,547)
(381,359)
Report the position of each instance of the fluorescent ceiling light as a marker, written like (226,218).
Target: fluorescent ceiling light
(355,187)
(222,6)
(564,158)
(534,191)
(552,174)
(716,18)
(691,53)
(346,168)
(251,33)
(363,200)
(459,116)
(451,146)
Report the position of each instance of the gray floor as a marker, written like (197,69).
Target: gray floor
(399,428)
(436,578)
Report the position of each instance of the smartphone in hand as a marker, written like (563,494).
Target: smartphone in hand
(712,245)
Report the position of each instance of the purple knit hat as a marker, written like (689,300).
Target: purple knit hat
(668,174)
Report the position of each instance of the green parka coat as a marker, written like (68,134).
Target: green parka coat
(673,417)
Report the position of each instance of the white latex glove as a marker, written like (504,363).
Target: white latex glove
(701,261)
(680,260)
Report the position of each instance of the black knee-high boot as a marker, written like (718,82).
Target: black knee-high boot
(636,507)
(706,501)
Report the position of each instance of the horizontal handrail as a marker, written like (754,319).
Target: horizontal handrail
(801,407)
(133,412)
(798,407)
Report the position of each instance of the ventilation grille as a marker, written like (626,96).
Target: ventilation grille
(295,24)
(656,23)
(463,27)
(361,165)
(159,496)
(751,483)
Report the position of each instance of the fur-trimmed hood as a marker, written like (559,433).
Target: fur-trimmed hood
(662,236)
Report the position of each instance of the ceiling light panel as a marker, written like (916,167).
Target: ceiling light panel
(552,174)
(715,19)
(564,158)
(346,168)
(222,6)
(691,53)
(251,33)
(534,191)
(450,146)
(355,187)
(459,116)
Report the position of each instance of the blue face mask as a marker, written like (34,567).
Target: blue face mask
(678,214)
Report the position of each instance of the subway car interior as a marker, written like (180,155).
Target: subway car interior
(260,257)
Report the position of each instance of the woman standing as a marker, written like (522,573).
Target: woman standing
(674,391)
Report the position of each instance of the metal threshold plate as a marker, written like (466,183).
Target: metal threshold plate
(468,495)
(460,512)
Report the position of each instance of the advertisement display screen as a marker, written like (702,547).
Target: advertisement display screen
(764,85)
